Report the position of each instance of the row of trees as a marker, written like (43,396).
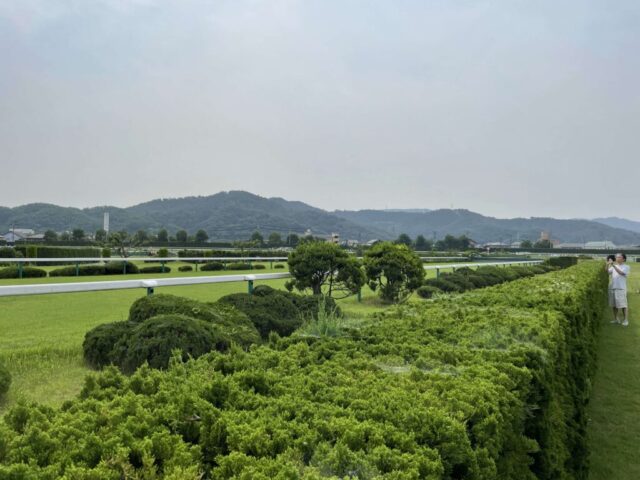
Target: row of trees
(394,270)
(141,236)
(448,243)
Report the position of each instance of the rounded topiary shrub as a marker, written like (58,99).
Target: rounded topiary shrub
(155,269)
(427,291)
(82,271)
(461,280)
(27,272)
(240,328)
(443,285)
(185,268)
(212,267)
(100,342)
(5,380)
(238,266)
(154,340)
(7,252)
(118,268)
(270,313)
(278,265)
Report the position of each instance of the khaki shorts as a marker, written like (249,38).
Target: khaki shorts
(618,298)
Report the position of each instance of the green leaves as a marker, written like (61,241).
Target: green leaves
(394,270)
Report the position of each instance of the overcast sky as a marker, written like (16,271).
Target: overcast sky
(505,107)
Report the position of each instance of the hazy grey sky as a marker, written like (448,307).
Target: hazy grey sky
(505,107)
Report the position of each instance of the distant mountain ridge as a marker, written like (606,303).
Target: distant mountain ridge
(236,214)
(617,222)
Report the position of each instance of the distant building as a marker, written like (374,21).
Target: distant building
(335,238)
(604,245)
(22,234)
(372,242)
(545,235)
(570,245)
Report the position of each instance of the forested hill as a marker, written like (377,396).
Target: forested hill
(236,214)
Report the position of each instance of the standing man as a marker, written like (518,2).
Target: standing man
(618,271)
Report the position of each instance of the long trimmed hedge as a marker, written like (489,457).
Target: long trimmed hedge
(484,385)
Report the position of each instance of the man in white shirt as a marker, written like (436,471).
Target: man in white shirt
(618,271)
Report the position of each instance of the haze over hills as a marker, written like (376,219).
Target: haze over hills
(618,222)
(236,214)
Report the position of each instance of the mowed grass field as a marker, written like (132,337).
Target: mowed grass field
(614,412)
(41,336)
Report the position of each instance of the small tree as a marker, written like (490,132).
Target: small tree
(257,238)
(422,243)
(50,236)
(275,240)
(544,243)
(182,236)
(77,234)
(324,268)
(201,236)
(101,235)
(526,244)
(292,240)
(404,239)
(394,270)
(163,236)
(121,242)
(141,236)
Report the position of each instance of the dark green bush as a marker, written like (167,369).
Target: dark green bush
(82,271)
(118,267)
(154,340)
(238,266)
(185,268)
(27,272)
(459,279)
(278,265)
(443,285)
(99,343)
(212,266)
(240,327)
(7,252)
(269,313)
(562,262)
(427,291)
(5,380)
(259,266)
(308,305)
(155,269)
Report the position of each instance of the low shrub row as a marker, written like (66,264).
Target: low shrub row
(489,384)
(27,272)
(217,266)
(109,268)
(464,279)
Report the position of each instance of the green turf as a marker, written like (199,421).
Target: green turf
(614,428)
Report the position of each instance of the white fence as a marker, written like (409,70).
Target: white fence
(142,259)
(150,284)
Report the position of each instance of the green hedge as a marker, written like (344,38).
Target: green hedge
(489,384)
(562,262)
(156,269)
(27,272)
(42,251)
(5,380)
(82,271)
(212,267)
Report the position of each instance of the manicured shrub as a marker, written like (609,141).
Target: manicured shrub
(82,271)
(459,279)
(443,285)
(155,269)
(185,268)
(395,271)
(259,266)
(278,266)
(118,268)
(238,266)
(562,262)
(154,340)
(212,266)
(5,380)
(106,252)
(307,305)
(27,272)
(270,313)
(427,291)
(241,328)
(99,343)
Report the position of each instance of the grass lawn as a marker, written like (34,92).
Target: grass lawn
(41,335)
(614,412)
